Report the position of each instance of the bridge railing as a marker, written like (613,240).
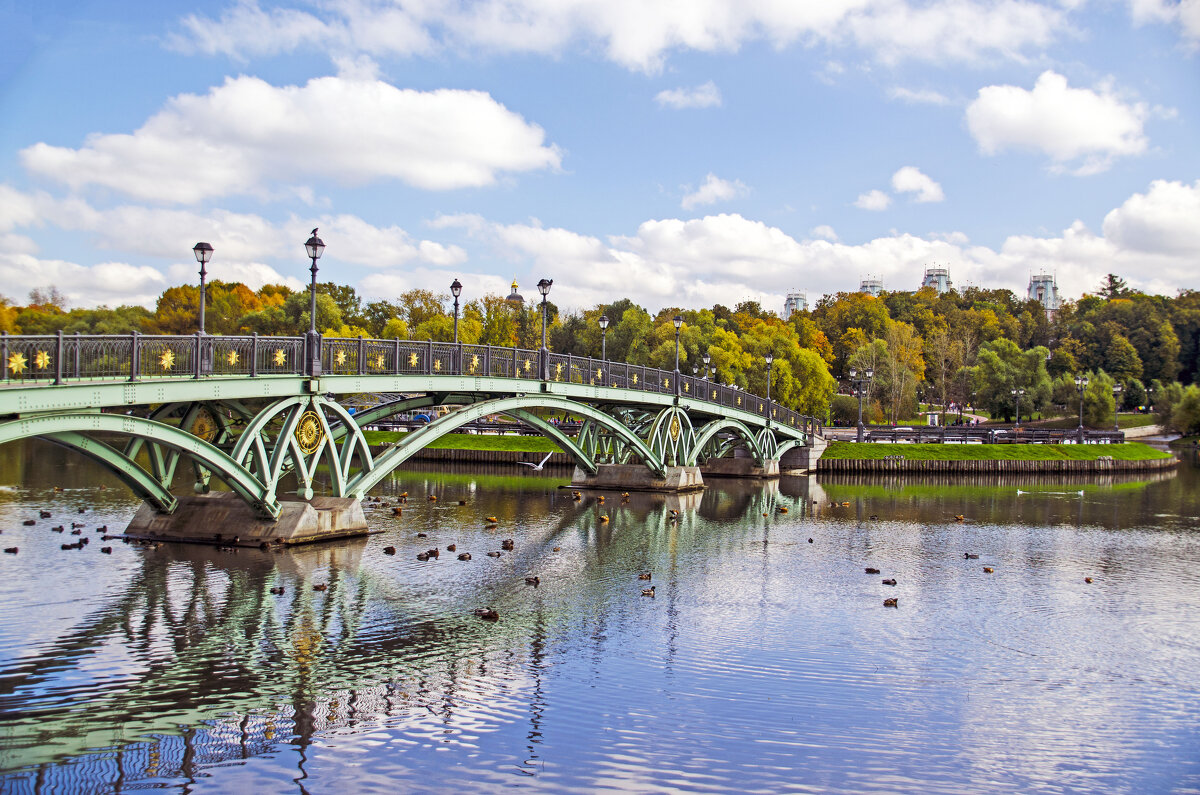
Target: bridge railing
(59,358)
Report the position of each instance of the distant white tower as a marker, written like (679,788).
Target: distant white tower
(1044,289)
(938,279)
(871,286)
(795,302)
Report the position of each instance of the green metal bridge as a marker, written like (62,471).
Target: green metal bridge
(256,412)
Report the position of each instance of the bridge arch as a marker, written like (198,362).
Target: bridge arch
(518,407)
(710,431)
(71,426)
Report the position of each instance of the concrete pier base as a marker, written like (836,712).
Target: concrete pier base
(635,477)
(223,519)
(739,468)
(801,460)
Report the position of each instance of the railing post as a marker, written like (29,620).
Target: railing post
(78,345)
(515,370)
(429,357)
(360,354)
(199,355)
(396,357)
(58,357)
(133,356)
(487,360)
(4,353)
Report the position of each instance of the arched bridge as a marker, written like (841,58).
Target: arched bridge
(255,412)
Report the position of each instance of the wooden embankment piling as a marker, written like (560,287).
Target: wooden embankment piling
(993,466)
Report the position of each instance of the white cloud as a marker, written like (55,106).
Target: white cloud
(1186,13)
(824,232)
(714,190)
(110,283)
(702,96)
(1069,124)
(252,274)
(873,200)
(918,96)
(637,35)
(1164,220)
(247,136)
(909,179)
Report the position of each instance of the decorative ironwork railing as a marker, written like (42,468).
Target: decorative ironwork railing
(64,358)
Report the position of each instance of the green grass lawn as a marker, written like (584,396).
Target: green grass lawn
(473,441)
(1130,451)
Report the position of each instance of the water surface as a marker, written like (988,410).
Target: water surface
(765,662)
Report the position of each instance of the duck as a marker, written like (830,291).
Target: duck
(464,555)
(783,509)
(645,575)
(106,550)
(102,528)
(29,522)
(765,513)
(845,504)
(889,582)
(1088,580)
(451,547)
(810,540)
(870,570)
(462,502)
(277,590)
(422,535)
(969,556)
(493,554)
(988,570)
(434,553)
(74,532)
(874,518)
(603,518)
(507,544)
(534,581)
(487,613)
(76,524)
(58,529)
(491,520)
(958,517)
(648,591)
(321,586)
(58,489)
(557,549)
(891,602)
(72,546)
(433,498)
(422,556)
(44,514)
(11,550)
(389,550)
(397,511)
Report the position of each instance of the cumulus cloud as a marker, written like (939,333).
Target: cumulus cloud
(247,136)
(1185,13)
(84,286)
(636,35)
(873,200)
(702,96)
(909,179)
(714,190)
(1164,220)
(824,232)
(1071,125)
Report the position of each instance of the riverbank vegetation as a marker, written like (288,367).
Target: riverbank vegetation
(1130,451)
(472,441)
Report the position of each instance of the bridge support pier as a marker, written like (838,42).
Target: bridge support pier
(635,477)
(224,519)
(800,460)
(740,468)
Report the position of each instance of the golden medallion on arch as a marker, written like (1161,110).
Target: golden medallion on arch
(309,432)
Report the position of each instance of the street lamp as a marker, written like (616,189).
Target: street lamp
(770,365)
(456,291)
(1081,383)
(859,385)
(708,359)
(544,288)
(678,321)
(315,247)
(203,252)
(604,338)
(1117,390)
(1017,394)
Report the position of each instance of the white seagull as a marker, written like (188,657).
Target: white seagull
(537,467)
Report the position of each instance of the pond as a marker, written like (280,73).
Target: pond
(765,661)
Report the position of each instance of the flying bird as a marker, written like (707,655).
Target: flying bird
(537,467)
(314,231)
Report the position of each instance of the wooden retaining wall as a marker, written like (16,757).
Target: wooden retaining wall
(989,467)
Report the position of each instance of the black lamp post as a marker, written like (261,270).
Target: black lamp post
(203,252)
(544,288)
(603,338)
(1017,394)
(1117,390)
(678,321)
(1081,383)
(315,247)
(456,291)
(859,385)
(706,360)
(770,366)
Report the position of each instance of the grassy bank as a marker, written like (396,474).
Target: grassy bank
(472,441)
(1130,451)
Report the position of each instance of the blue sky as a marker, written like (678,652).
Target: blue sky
(680,154)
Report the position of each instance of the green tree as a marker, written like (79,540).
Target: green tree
(1185,416)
